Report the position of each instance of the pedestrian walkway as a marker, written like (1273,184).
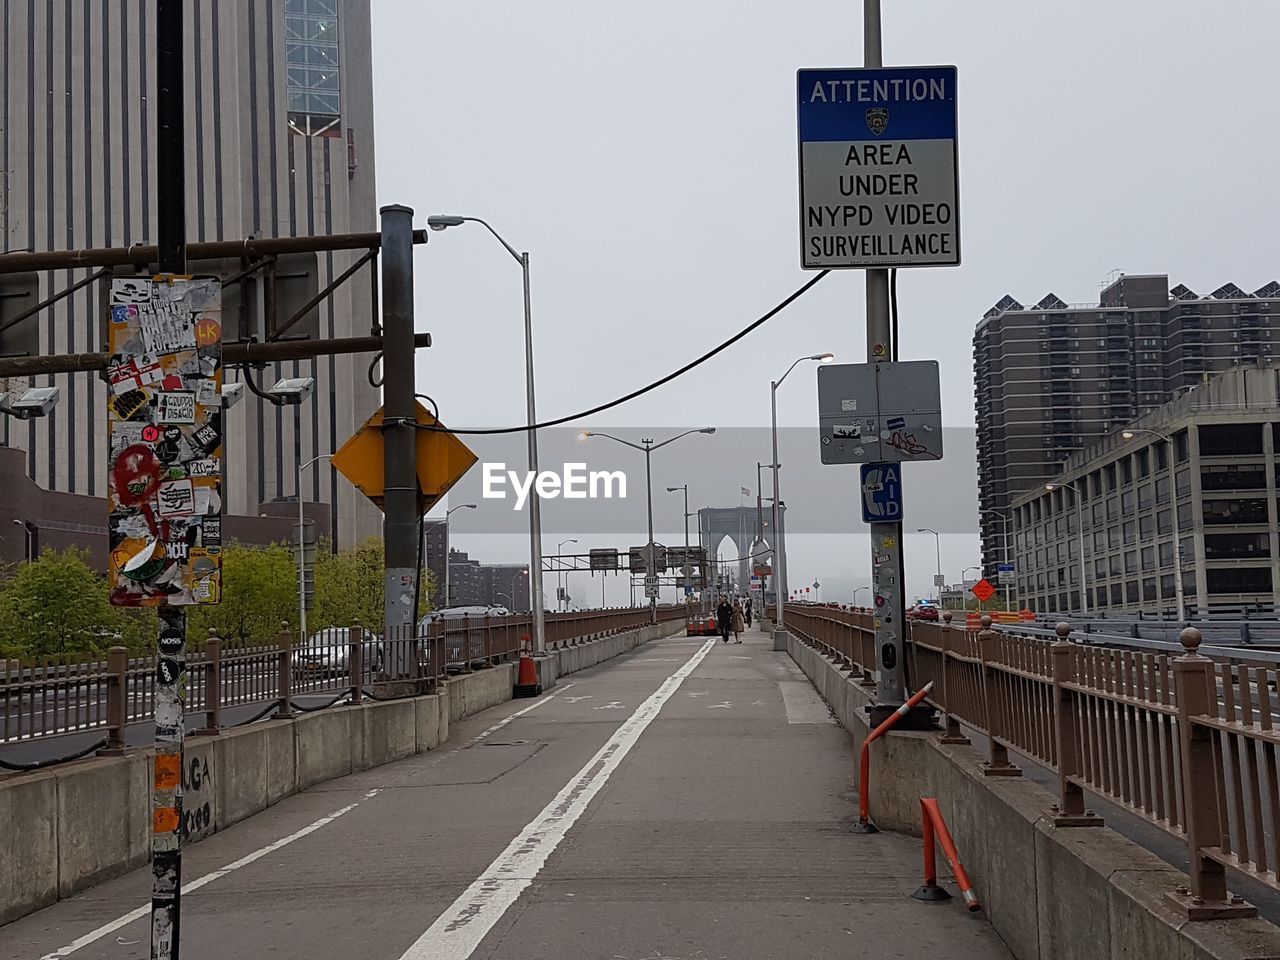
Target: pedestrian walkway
(688,801)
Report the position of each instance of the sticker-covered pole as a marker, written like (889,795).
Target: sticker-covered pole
(886,538)
(401,503)
(170,723)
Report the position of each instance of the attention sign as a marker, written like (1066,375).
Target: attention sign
(878,176)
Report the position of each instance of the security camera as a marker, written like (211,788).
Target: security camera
(232,393)
(35,402)
(292,390)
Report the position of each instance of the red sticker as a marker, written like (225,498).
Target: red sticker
(150,433)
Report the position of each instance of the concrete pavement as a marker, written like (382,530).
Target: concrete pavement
(688,800)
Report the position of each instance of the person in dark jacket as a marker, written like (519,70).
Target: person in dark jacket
(747,610)
(724,618)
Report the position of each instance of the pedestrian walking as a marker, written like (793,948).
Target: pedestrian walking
(747,611)
(724,618)
(737,621)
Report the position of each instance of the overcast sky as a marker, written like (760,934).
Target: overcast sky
(645,155)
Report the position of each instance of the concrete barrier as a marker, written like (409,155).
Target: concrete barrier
(29,867)
(1084,893)
(83,822)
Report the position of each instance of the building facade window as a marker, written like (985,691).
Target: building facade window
(312,87)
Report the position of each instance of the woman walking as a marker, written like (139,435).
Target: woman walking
(724,618)
(737,621)
(747,611)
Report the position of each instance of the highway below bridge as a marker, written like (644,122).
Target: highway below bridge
(690,800)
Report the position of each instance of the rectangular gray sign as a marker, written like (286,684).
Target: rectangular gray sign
(880,412)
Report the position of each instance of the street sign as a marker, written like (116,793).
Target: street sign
(688,591)
(983,590)
(881,492)
(604,558)
(1005,568)
(939,580)
(880,412)
(442,459)
(878,174)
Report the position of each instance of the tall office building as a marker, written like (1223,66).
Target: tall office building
(279,142)
(1052,379)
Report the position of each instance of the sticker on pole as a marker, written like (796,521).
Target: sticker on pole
(878,174)
(881,492)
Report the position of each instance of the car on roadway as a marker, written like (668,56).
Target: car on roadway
(471,612)
(924,611)
(327,653)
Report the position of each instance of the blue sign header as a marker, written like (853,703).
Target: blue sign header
(893,104)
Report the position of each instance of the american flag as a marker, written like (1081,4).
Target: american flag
(746,492)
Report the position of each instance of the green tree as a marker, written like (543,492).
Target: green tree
(57,605)
(259,590)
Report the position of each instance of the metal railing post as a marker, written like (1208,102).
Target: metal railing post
(117,717)
(1070,810)
(355,659)
(1197,697)
(997,763)
(284,680)
(212,684)
(952,732)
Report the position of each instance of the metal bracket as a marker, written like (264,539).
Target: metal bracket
(1195,908)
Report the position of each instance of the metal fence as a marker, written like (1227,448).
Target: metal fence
(1187,742)
(54,697)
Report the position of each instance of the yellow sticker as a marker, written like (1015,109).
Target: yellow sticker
(888,543)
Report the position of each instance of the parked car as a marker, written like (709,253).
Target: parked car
(472,612)
(924,611)
(327,653)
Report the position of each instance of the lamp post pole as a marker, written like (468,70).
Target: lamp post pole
(647,446)
(302,550)
(780,552)
(536,600)
(1004,524)
(687,566)
(937,547)
(561,600)
(448,546)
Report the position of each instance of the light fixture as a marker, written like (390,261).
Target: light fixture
(232,393)
(1051,487)
(707,430)
(291,391)
(823,357)
(583,434)
(441,222)
(33,402)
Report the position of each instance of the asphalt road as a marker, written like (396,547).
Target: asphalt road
(689,801)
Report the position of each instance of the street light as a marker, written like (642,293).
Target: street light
(648,446)
(1179,597)
(461,506)
(31,403)
(780,578)
(1008,560)
(937,546)
(1084,587)
(685,488)
(855,592)
(302,566)
(441,222)
(560,598)
(32,537)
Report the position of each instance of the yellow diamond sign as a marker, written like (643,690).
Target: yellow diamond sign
(442,459)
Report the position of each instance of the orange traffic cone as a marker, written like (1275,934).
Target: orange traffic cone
(527,680)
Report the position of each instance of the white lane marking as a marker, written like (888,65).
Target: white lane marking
(519,713)
(145,909)
(700,693)
(460,929)
(612,705)
(803,703)
(578,699)
(722,705)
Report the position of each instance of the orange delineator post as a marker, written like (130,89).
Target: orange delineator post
(934,825)
(864,824)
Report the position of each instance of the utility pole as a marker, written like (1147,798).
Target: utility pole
(401,505)
(171,641)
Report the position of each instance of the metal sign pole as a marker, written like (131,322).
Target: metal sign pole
(400,437)
(170,723)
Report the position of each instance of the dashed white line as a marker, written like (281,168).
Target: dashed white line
(457,933)
(519,713)
(140,912)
